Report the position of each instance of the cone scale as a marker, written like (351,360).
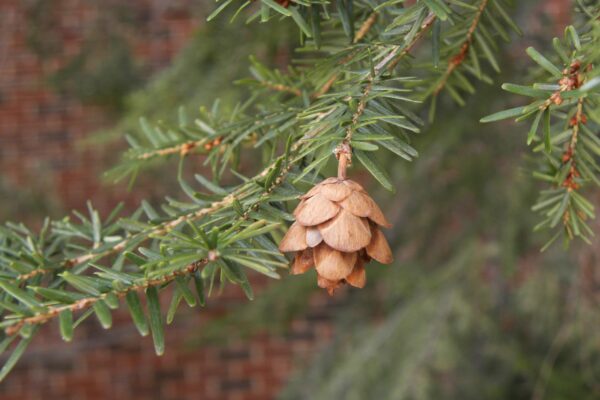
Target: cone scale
(337,231)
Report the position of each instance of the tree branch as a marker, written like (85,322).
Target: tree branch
(457,59)
(388,62)
(360,34)
(166,226)
(87,302)
(208,143)
(281,88)
(429,20)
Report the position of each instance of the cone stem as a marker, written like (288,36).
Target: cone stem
(344,155)
(342,166)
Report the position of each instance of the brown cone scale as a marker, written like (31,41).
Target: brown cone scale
(337,231)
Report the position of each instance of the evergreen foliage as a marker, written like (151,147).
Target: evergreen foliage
(564,123)
(366,74)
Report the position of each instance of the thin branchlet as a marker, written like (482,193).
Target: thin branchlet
(209,143)
(156,230)
(85,303)
(278,87)
(391,59)
(163,228)
(459,57)
(405,50)
(360,34)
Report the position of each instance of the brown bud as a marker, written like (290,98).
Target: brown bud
(186,148)
(556,99)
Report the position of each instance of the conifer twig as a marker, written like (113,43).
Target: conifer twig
(393,57)
(191,268)
(429,20)
(360,34)
(87,302)
(458,59)
(365,27)
(183,148)
(156,230)
(122,245)
(186,147)
(278,87)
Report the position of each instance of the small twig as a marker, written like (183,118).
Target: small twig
(178,149)
(183,148)
(281,88)
(327,85)
(344,155)
(393,57)
(360,109)
(156,230)
(569,156)
(458,59)
(577,119)
(191,268)
(32,274)
(122,245)
(360,34)
(87,302)
(572,79)
(365,27)
(429,20)
(571,151)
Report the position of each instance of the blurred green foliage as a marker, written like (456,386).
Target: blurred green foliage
(28,204)
(103,71)
(102,74)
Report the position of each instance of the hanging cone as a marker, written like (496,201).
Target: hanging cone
(337,231)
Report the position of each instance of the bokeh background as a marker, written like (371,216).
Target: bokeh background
(470,310)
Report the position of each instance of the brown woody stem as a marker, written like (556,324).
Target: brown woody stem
(458,59)
(362,32)
(344,155)
(342,166)
(87,302)
(427,23)
(344,152)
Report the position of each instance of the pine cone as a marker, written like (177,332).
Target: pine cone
(337,231)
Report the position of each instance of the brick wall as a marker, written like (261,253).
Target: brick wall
(39,128)
(39,134)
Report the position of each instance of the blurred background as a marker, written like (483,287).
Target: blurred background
(470,310)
